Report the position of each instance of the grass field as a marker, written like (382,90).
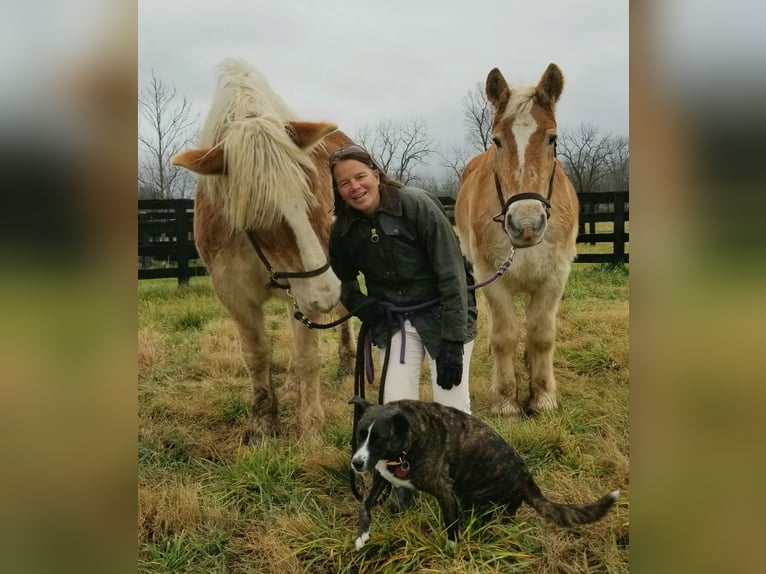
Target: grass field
(208,504)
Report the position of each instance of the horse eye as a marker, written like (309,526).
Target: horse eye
(497,142)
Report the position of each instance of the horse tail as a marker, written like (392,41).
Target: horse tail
(567,514)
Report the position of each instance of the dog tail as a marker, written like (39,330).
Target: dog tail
(568,514)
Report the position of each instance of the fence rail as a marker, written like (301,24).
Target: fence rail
(604,206)
(166,243)
(165,240)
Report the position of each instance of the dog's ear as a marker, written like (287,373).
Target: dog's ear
(359,403)
(400,424)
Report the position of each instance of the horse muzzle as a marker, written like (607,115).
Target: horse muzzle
(525,222)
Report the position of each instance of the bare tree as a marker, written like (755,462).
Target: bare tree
(584,153)
(477,115)
(617,165)
(399,147)
(454,162)
(165,128)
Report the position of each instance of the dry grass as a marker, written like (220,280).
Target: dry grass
(209,504)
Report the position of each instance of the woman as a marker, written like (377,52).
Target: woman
(400,239)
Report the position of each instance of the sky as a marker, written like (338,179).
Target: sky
(356,63)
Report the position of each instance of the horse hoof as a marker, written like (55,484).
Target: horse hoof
(261,430)
(544,403)
(345,369)
(508,409)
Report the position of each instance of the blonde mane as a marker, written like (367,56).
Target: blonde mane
(265,169)
(521,101)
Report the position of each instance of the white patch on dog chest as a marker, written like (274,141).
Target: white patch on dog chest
(382,468)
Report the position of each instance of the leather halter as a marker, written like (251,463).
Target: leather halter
(505,205)
(276,275)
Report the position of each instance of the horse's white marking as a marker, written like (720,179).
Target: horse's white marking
(325,288)
(382,468)
(523,128)
(308,243)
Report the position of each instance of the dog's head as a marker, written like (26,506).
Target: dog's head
(381,434)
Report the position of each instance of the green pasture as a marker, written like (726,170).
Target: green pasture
(209,504)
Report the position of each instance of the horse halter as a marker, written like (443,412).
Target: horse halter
(505,205)
(274,276)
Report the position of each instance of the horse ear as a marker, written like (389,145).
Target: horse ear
(208,161)
(551,85)
(498,91)
(307,134)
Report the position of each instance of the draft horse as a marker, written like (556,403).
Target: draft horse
(519,183)
(262,216)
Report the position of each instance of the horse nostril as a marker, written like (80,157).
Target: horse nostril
(510,228)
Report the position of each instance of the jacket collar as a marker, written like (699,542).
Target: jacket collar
(390,202)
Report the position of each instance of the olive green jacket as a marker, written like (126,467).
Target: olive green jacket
(415,258)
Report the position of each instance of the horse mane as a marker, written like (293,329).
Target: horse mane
(265,169)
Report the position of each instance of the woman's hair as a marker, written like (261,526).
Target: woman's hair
(361,155)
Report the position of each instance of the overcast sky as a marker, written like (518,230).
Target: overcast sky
(356,63)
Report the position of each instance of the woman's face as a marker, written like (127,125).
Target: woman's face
(358,185)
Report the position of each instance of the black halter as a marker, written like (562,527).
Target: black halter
(275,275)
(505,205)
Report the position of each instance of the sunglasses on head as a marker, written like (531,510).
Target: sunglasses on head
(350,151)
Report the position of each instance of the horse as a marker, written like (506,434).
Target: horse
(262,215)
(520,177)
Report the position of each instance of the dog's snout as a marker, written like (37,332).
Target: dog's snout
(357,464)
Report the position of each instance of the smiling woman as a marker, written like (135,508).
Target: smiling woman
(358,183)
(400,239)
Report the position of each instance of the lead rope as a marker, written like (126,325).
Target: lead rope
(364,365)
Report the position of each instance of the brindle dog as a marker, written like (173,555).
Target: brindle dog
(454,457)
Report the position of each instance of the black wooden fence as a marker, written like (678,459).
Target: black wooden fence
(166,243)
(604,206)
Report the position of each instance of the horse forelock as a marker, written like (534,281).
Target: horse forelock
(521,102)
(265,169)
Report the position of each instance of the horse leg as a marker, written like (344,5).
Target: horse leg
(503,340)
(541,311)
(346,348)
(256,351)
(305,365)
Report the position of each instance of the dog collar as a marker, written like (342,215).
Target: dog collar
(402,466)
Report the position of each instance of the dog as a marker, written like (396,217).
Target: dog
(453,456)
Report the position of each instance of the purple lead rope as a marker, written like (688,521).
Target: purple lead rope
(400,312)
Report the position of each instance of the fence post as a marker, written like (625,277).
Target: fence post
(182,240)
(619,228)
(144,238)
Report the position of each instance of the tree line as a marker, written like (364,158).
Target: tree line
(595,161)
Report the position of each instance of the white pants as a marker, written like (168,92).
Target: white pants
(403,380)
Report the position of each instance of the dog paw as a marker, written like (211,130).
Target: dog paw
(362,540)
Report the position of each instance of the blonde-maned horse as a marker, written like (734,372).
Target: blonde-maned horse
(264,181)
(522,160)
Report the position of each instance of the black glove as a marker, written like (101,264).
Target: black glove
(449,365)
(372,313)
